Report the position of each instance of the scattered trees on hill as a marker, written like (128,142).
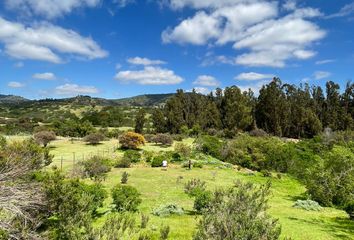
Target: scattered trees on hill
(131,140)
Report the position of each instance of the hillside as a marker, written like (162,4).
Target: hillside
(12,99)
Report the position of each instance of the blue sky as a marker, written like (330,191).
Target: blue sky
(121,48)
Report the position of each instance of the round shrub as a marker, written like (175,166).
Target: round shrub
(126,198)
(202,200)
(133,155)
(163,139)
(44,137)
(157,161)
(94,138)
(96,167)
(307,205)
(167,210)
(131,140)
(123,163)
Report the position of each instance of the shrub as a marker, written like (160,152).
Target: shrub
(194,186)
(163,139)
(94,138)
(148,155)
(126,198)
(176,157)
(96,167)
(157,161)
(145,236)
(258,133)
(144,220)
(167,210)
(44,137)
(177,137)
(349,208)
(307,205)
(123,163)
(197,164)
(210,145)
(164,231)
(202,200)
(131,140)
(183,149)
(124,178)
(2,142)
(266,173)
(238,213)
(133,156)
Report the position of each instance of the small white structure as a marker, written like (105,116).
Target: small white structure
(164,163)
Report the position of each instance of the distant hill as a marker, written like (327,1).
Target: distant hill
(12,99)
(146,100)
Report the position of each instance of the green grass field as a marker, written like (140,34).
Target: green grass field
(160,187)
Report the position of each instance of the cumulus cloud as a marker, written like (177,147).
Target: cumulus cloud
(254,27)
(150,75)
(15,85)
(201,90)
(252,76)
(321,75)
(44,76)
(49,8)
(206,80)
(254,86)
(45,42)
(144,61)
(74,89)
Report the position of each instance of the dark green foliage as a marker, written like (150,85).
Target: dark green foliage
(73,128)
(202,200)
(124,178)
(126,198)
(349,208)
(194,186)
(132,155)
(96,167)
(2,142)
(144,220)
(140,121)
(210,145)
(164,232)
(94,138)
(266,173)
(72,205)
(157,161)
(238,213)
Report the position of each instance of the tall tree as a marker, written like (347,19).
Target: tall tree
(140,121)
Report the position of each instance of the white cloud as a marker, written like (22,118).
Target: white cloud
(44,76)
(252,76)
(48,8)
(206,80)
(321,75)
(150,75)
(321,62)
(254,27)
(74,89)
(45,42)
(15,85)
(123,3)
(289,5)
(347,10)
(144,61)
(201,90)
(254,86)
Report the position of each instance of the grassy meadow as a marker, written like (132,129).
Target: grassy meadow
(158,187)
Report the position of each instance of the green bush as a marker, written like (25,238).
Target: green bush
(194,186)
(126,198)
(167,210)
(197,164)
(96,167)
(124,178)
(133,156)
(123,163)
(266,173)
(202,200)
(164,232)
(176,157)
(210,145)
(157,161)
(307,205)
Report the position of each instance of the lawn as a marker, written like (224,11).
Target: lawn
(160,187)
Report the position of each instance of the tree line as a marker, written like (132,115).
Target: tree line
(281,109)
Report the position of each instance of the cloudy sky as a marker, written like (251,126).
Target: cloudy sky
(121,48)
